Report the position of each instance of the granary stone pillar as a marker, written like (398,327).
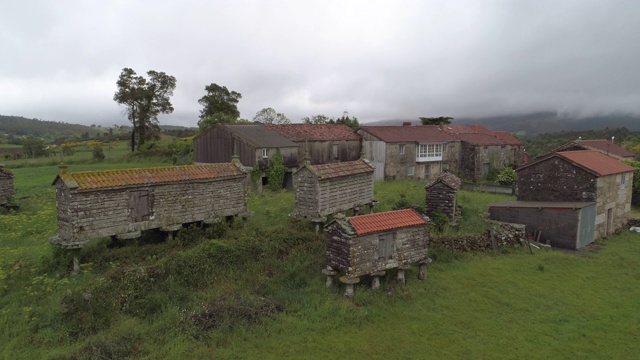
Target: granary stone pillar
(330,274)
(76,266)
(422,272)
(401,270)
(170,230)
(349,282)
(375,279)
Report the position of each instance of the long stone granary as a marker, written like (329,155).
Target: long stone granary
(124,202)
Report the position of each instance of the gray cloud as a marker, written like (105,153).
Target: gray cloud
(375,59)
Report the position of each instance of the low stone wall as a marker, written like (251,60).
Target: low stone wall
(504,234)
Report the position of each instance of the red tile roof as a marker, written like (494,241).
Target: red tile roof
(476,135)
(606,147)
(331,170)
(384,221)
(89,180)
(315,132)
(596,162)
(592,161)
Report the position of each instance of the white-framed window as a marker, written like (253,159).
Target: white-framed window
(265,153)
(429,152)
(623,179)
(411,170)
(401,148)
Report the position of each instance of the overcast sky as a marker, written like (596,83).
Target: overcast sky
(59,60)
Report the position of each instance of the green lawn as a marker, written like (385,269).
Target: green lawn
(257,292)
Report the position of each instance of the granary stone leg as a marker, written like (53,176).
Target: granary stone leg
(422,272)
(375,279)
(330,273)
(76,266)
(349,282)
(401,269)
(170,229)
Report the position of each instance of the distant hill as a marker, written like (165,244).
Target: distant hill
(21,126)
(538,123)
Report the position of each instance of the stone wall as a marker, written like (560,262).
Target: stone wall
(615,197)
(6,189)
(306,187)
(555,180)
(89,214)
(355,256)
(504,234)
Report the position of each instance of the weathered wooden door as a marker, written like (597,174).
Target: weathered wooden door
(374,151)
(139,205)
(586,226)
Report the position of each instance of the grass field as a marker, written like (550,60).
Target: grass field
(255,290)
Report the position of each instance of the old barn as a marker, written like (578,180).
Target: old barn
(326,189)
(124,202)
(6,185)
(367,244)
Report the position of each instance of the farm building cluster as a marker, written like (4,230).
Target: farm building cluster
(568,198)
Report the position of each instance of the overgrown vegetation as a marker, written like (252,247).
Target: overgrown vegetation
(242,290)
(276,172)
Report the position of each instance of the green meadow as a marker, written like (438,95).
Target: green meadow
(254,290)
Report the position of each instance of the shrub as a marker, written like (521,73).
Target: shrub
(402,203)
(98,153)
(507,177)
(277,172)
(439,220)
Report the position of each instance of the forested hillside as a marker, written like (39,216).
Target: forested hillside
(21,126)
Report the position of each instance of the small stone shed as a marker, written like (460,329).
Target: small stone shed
(367,244)
(6,185)
(326,189)
(124,202)
(567,225)
(441,195)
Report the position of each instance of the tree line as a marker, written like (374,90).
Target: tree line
(144,99)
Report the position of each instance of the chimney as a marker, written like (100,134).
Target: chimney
(613,137)
(406,123)
(62,168)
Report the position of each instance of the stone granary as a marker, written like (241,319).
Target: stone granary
(327,189)
(441,195)
(373,243)
(6,185)
(121,203)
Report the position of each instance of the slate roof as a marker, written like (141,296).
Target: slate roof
(345,168)
(5,173)
(106,179)
(606,146)
(448,179)
(592,161)
(260,136)
(476,135)
(315,132)
(385,221)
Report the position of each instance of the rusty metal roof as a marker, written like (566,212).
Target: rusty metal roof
(476,135)
(385,221)
(332,170)
(315,132)
(592,161)
(606,146)
(106,179)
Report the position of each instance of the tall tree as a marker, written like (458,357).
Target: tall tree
(144,100)
(219,105)
(350,122)
(317,119)
(270,116)
(436,120)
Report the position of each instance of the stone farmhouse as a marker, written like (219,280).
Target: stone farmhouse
(373,243)
(602,145)
(6,185)
(573,180)
(426,151)
(327,189)
(322,143)
(121,203)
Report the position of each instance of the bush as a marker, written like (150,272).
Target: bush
(439,220)
(277,172)
(507,177)
(402,203)
(98,153)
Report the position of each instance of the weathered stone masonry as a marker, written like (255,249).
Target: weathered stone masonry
(6,185)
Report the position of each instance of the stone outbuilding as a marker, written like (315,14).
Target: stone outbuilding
(6,185)
(580,176)
(441,194)
(373,243)
(327,189)
(123,202)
